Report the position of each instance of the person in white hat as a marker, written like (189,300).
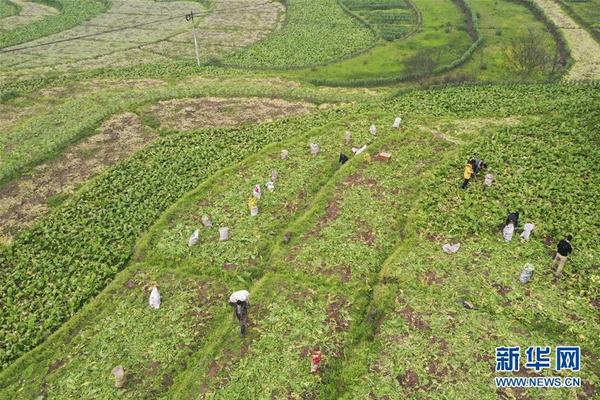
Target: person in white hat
(240,302)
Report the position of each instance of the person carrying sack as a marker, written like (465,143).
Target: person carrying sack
(240,301)
(563,250)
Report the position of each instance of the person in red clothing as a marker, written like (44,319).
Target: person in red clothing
(315,361)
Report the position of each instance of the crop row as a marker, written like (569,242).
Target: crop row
(7,8)
(44,136)
(451,347)
(419,302)
(72,13)
(336,250)
(315,32)
(393,20)
(53,269)
(539,169)
(224,199)
(375,4)
(226,202)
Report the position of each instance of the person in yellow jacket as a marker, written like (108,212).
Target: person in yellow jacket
(468,174)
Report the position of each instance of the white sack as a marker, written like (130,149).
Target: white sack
(240,295)
(527,228)
(451,248)
(508,232)
(193,240)
(154,300)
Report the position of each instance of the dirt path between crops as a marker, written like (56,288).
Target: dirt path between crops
(584,49)
(25,200)
(30,12)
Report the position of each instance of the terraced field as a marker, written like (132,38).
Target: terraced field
(153,32)
(34,20)
(115,146)
(17,13)
(354,270)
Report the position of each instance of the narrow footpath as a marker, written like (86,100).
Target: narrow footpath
(584,49)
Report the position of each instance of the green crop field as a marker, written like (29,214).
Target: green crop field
(7,9)
(125,124)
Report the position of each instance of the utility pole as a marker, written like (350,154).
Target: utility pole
(190,17)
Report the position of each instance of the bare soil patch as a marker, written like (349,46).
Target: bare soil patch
(344,272)
(332,211)
(409,379)
(189,114)
(367,235)
(413,319)
(56,365)
(336,320)
(431,278)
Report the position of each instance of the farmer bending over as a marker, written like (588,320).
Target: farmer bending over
(478,165)
(240,302)
(563,250)
(514,218)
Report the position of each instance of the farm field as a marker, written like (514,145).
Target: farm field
(588,12)
(14,14)
(35,20)
(584,49)
(130,159)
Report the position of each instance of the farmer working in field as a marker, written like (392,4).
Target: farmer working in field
(240,302)
(468,173)
(563,250)
(512,220)
(478,165)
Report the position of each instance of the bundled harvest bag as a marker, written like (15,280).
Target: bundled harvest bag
(489,179)
(206,221)
(527,229)
(120,378)
(348,138)
(223,233)
(154,300)
(526,273)
(373,130)
(314,149)
(193,240)
(508,232)
(358,150)
(451,248)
